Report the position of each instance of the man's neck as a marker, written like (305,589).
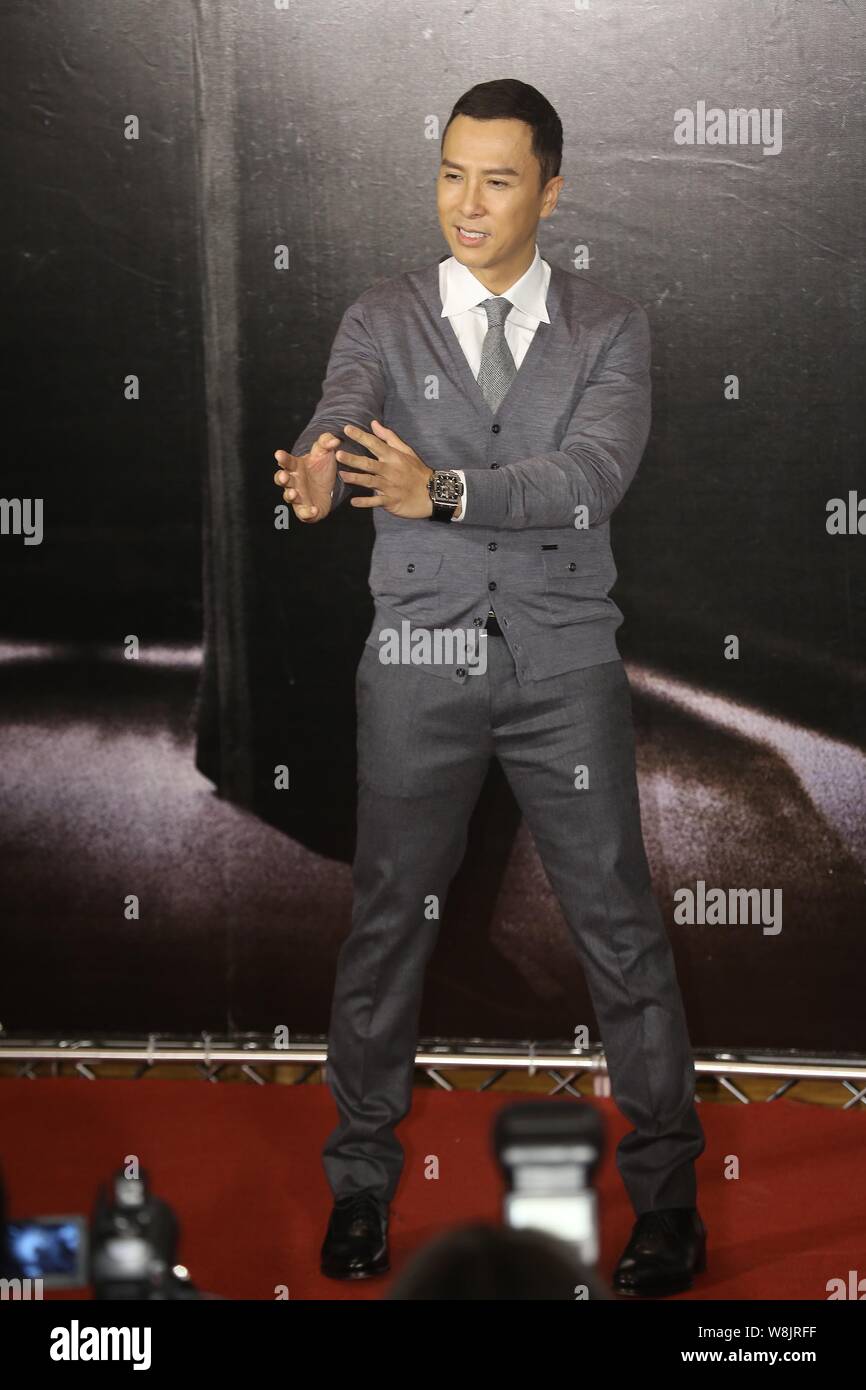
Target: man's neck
(498,281)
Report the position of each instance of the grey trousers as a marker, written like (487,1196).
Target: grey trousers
(424,744)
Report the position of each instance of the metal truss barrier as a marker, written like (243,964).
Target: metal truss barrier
(212,1056)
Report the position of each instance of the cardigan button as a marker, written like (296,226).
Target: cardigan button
(494,465)
(494,429)
(572,566)
(410,569)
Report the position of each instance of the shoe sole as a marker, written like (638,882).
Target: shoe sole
(662,1290)
(331,1273)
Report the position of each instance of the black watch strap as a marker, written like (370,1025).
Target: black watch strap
(443,511)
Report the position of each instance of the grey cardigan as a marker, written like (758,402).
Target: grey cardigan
(544,473)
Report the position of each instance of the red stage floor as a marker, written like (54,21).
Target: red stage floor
(241,1166)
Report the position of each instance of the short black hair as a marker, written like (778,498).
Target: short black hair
(506,98)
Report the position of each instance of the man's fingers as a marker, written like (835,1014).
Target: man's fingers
(292,475)
(296,475)
(304,509)
(365,479)
(391,437)
(306,513)
(357,459)
(289,479)
(287,470)
(289,462)
(325,444)
(296,479)
(370,441)
(287,476)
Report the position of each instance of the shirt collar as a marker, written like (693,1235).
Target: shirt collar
(462,290)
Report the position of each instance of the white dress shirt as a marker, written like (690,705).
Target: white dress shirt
(462,294)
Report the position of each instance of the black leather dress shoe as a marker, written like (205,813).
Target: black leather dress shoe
(356,1244)
(667,1248)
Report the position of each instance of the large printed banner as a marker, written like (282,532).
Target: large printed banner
(198,198)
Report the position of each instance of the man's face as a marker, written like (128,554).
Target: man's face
(489,182)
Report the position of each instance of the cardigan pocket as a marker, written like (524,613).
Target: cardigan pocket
(407,581)
(575,572)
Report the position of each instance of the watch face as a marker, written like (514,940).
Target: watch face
(447,487)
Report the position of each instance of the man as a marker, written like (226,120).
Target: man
(503,405)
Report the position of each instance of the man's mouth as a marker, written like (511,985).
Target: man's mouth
(469,236)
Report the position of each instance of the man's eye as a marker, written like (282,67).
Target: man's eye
(499,183)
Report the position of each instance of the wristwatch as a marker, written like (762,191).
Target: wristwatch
(446,489)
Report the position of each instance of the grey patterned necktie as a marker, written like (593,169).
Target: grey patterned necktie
(498,368)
